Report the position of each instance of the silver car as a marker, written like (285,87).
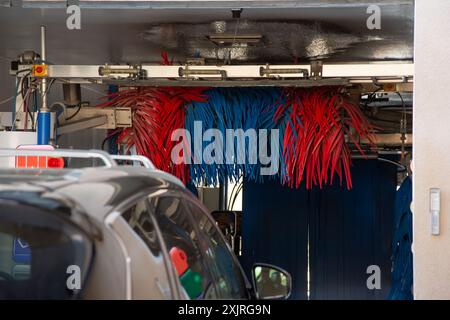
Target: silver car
(116,232)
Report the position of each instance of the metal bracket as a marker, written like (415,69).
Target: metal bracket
(188,72)
(100,118)
(268,72)
(316,70)
(129,71)
(83,124)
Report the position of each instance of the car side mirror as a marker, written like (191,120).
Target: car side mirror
(271,282)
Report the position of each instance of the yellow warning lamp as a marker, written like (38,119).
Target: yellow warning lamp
(40,70)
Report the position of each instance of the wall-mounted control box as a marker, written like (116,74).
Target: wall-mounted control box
(435,210)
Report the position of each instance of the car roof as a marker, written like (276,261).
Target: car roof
(95,191)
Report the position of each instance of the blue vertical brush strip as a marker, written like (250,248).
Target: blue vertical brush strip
(199,111)
(402,256)
(268,121)
(234,108)
(43,127)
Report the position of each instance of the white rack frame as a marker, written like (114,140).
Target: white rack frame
(386,72)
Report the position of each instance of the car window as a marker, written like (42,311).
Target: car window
(184,247)
(139,220)
(39,250)
(150,269)
(228,276)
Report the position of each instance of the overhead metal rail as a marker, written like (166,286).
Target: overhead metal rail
(227,83)
(237,75)
(135,158)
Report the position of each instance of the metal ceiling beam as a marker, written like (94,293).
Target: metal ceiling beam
(160,75)
(230,83)
(211,4)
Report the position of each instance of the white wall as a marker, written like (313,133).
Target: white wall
(431,147)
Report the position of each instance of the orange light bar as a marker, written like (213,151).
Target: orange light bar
(38,161)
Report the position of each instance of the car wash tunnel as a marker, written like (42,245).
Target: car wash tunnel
(228,149)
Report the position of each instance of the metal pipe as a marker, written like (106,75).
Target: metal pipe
(186,72)
(44,80)
(44,116)
(266,71)
(108,70)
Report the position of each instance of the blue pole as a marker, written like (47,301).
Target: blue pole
(43,127)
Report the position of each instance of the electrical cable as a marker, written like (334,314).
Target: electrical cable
(23,70)
(241,186)
(104,143)
(32,97)
(371,96)
(49,86)
(75,113)
(233,42)
(109,136)
(6,100)
(401,166)
(19,89)
(231,196)
(24,88)
(235,187)
(35,99)
(15,115)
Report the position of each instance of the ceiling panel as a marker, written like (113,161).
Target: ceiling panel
(293,30)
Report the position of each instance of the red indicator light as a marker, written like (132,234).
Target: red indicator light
(55,163)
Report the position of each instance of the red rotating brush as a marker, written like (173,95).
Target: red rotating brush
(315,148)
(156,113)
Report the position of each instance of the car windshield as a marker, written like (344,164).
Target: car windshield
(42,255)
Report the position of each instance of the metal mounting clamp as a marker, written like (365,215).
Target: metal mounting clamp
(131,71)
(188,72)
(267,71)
(316,69)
